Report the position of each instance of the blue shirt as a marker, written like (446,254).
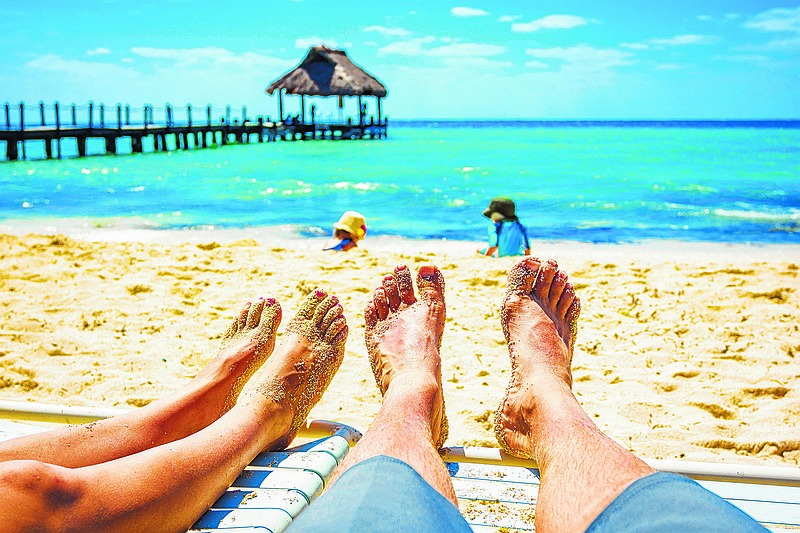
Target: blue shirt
(339,247)
(509,237)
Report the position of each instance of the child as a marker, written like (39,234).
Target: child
(506,235)
(350,229)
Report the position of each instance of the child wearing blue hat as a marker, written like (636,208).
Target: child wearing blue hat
(507,236)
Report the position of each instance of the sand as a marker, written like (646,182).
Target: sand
(684,350)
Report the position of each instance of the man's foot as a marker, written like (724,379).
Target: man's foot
(404,334)
(246,344)
(307,359)
(539,318)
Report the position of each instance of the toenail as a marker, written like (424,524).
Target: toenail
(270,301)
(319,293)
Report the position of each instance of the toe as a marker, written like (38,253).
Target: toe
(402,276)
(541,288)
(522,276)
(254,314)
(241,322)
(557,288)
(430,282)
(370,315)
(392,293)
(322,310)
(333,313)
(270,316)
(381,303)
(309,305)
(574,311)
(565,301)
(337,332)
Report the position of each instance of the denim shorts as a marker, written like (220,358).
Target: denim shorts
(384,494)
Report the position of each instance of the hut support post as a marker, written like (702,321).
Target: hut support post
(280,105)
(379,109)
(360,112)
(303,109)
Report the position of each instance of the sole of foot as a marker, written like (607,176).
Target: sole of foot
(539,319)
(247,344)
(307,359)
(404,333)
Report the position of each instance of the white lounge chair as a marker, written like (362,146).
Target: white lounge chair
(495,491)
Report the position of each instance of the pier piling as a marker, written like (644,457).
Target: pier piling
(187,134)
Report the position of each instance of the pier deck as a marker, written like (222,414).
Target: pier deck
(183,136)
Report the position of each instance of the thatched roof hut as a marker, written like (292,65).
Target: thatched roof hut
(327,72)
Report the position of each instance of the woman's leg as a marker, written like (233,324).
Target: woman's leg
(167,487)
(247,343)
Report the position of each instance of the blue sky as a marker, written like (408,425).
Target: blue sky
(439,59)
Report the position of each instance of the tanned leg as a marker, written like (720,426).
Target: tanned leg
(247,343)
(166,488)
(582,470)
(403,336)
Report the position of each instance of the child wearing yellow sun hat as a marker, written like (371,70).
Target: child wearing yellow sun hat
(351,228)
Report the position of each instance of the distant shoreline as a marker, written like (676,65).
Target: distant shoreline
(279,237)
(592,123)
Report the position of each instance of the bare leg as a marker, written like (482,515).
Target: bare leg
(166,488)
(246,344)
(403,335)
(582,469)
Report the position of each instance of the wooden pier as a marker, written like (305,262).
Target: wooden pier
(184,134)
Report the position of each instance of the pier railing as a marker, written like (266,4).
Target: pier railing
(162,128)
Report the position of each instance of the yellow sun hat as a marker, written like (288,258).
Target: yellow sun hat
(353,223)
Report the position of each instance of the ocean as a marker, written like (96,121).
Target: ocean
(588,181)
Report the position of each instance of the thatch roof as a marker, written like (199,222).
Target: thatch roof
(327,72)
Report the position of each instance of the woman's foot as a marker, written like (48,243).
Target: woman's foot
(403,337)
(539,318)
(306,361)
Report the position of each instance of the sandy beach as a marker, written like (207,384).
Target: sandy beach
(684,350)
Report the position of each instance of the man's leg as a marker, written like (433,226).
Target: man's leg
(582,470)
(246,344)
(403,335)
(381,486)
(167,487)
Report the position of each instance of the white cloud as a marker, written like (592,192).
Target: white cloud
(731,16)
(481,63)
(468,12)
(743,58)
(308,42)
(776,20)
(415,47)
(212,57)
(509,18)
(703,17)
(86,70)
(98,51)
(583,57)
(536,64)
(411,47)
(634,46)
(388,32)
(550,22)
(127,60)
(466,50)
(680,40)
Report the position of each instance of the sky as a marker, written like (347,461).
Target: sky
(439,59)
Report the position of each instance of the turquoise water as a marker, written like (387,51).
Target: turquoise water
(594,182)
